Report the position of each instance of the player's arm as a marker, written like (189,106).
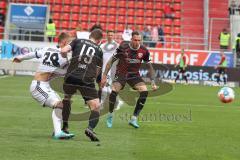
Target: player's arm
(27,56)
(65,50)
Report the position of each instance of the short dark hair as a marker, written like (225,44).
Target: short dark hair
(96,34)
(108,31)
(135,33)
(63,36)
(95,26)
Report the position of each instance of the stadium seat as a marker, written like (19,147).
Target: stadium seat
(158,13)
(167,22)
(104,26)
(176,39)
(75,9)
(131,4)
(139,4)
(75,16)
(122,4)
(76,2)
(84,9)
(149,13)
(122,11)
(58,2)
(121,19)
(93,2)
(68,2)
(130,20)
(176,46)
(56,16)
(167,30)
(120,27)
(66,16)
(40,1)
(66,8)
(139,20)
(103,18)
(158,20)
(74,24)
(177,31)
(103,3)
(93,18)
(84,25)
(112,11)
(113,3)
(177,1)
(111,19)
(176,22)
(51,2)
(84,2)
(93,10)
(139,12)
(57,8)
(64,24)
(130,12)
(149,21)
(149,5)
(103,10)
(84,17)
(177,6)
(158,5)
(57,24)
(177,14)
(111,26)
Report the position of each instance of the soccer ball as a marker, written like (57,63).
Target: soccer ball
(226,95)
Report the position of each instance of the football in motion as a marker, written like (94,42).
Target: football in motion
(226,95)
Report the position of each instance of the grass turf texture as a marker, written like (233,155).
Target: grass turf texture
(190,123)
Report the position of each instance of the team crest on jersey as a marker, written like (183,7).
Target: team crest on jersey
(140,55)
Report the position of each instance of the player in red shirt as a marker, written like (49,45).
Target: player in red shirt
(221,69)
(182,67)
(129,56)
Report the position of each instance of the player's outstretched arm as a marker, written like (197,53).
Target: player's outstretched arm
(27,56)
(108,67)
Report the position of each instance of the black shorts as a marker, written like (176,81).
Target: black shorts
(131,80)
(221,70)
(181,70)
(87,90)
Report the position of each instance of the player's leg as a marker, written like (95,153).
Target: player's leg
(177,77)
(184,75)
(141,87)
(218,75)
(224,75)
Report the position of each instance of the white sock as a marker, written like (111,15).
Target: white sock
(57,119)
(134,117)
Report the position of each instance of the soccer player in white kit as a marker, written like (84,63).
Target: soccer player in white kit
(109,48)
(51,65)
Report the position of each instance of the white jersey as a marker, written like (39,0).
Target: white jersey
(51,60)
(108,50)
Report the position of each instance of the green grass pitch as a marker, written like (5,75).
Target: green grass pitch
(189,123)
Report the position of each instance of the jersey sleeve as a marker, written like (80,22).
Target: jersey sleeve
(146,57)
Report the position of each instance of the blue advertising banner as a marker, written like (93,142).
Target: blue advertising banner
(28,15)
(214,59)
(9,50)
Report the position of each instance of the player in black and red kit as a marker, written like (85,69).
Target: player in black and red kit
(85,65)
(130,56)
(221,69)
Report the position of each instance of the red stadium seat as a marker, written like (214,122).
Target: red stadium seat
(176,39)
(93,10)
(122,4)
(64,24)
(104,3)
(177,14)
(177,31)
(120,27)
(139,12)
(177,1)
(66,8)
(158,13)
(57,23)
(139,4)
(84,17)
(84,9)
(93,18)
(112,11)
(176,46)
(158,5)
(122,11)
(177,6)
(149,5)
(111,26)
(149,13)
(66,16)
(68,2)
(93,2)
(58,1)
(177,22)
(113,3)
(40,1)
(57,8)
(130,20)
(75,9)
(103,18)
(139,20)
(158,21)
(3,4)
(103,10)
(74,24)
(167,30)
(168,22)
(121,19)
(84,25)
(56,16)
(85,2)
(131,4)
(76,2)
(130,12)
(149,21)
(75,16)
(112,18)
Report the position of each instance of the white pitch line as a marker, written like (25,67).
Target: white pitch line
(1,77)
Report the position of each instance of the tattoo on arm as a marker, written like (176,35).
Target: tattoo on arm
(109,65)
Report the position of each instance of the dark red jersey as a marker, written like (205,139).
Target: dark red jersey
(130,59)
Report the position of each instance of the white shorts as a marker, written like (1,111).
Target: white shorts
(44,94)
